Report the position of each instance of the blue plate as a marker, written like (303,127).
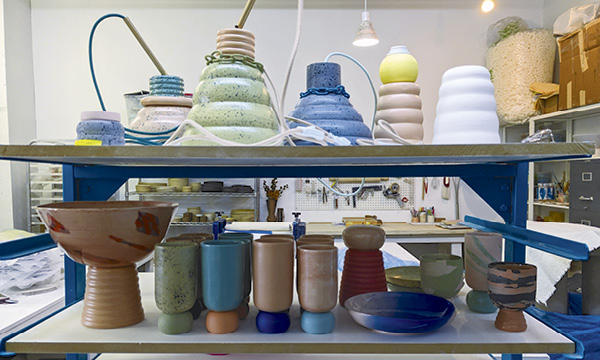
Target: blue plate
(400,312)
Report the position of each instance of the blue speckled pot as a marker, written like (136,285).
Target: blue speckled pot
(331,112)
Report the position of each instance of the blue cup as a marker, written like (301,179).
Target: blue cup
(247,239)
(222,274)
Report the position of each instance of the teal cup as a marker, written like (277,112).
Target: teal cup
(222,274)
(247,239)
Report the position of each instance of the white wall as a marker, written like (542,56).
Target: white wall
(440,34)
(17,111)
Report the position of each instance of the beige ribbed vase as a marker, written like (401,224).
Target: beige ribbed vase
(112,298)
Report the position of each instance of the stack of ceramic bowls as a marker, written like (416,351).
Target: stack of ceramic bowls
(326,105)
(242,214)
(466,109)
(178,183)
(363,264)
(399,102)
(212,186)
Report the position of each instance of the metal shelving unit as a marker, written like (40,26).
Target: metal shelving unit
(44,187)
(498,173)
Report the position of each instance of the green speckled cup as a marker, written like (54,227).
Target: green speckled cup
(175,276)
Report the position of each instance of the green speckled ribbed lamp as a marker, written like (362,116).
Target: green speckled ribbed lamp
(231,100)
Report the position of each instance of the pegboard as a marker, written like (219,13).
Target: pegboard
(309,195)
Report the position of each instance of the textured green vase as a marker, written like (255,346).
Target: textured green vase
(173,324)
(175,276)
(232,102)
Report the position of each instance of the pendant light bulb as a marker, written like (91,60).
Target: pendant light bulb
(487,6)
(365,36)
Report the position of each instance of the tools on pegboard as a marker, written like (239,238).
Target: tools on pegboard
(375,194)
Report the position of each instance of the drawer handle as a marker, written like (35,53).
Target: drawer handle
(583,198)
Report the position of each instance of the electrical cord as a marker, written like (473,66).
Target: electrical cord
(368,77)
(90,54)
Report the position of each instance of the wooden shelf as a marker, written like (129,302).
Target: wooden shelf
(242,157)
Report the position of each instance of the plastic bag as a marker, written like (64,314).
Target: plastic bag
(41,269)
(575,18)
(504,28)
(515,63)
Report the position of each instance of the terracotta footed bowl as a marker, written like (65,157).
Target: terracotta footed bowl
(110,237)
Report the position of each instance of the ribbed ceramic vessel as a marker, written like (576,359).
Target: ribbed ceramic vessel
(512,288)
(363,262)
(400,105)
(466,108)
(110,237)
(231,99)
(332,112)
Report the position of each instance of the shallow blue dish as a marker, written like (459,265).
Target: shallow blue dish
(400,312)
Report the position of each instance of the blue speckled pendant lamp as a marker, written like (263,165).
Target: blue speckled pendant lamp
(326,104)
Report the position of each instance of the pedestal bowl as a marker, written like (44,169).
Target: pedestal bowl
(512,289)
(110,237)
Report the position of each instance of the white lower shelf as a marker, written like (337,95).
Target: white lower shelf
(466,333)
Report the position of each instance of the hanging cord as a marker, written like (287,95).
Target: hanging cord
(91,61)
(292,56)
(368,77)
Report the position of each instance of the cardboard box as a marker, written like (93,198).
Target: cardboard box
(550,104)
(579,57)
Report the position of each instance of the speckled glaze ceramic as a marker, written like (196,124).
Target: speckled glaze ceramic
(331,112)
(121,234)
(104,126)
(400,105)
(197,238)
(512,289)
(175,276)
(481,249)
(441,274)
(231,99)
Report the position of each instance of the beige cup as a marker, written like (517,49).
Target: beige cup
(273,273)
(317,277)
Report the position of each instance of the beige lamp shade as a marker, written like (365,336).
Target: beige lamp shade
(365,36)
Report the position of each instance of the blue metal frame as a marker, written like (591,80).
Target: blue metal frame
(22,247)
(502,185)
